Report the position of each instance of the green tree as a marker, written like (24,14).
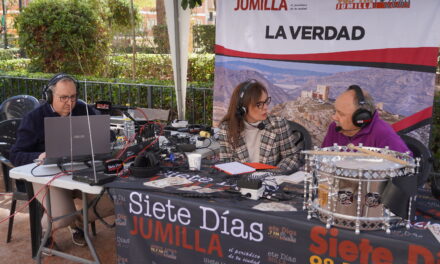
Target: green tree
(63,35)
(191,3)
(119,18)
(204,38)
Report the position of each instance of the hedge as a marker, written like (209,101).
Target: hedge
(148,67)
(9,54)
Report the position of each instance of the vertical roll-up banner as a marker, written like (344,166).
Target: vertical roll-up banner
(307,52)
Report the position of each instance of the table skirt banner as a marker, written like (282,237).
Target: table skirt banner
(154,227)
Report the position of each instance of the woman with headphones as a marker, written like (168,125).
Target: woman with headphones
(248,134)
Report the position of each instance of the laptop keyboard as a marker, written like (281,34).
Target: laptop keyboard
(87,176)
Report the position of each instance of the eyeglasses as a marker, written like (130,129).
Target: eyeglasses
(64,98)
(260,105)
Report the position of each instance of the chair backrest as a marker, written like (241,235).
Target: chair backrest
(17,106)
(419,150)
(8,135)
(304,141)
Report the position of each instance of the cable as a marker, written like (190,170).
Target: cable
(99,217)
(146,147)
(210,142)
(34,197)
(142,112)
(43,175)
(90,133)
(71,137)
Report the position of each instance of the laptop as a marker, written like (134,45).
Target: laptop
(70,138)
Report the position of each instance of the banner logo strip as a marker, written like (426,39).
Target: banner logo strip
(413,121)
(423,56)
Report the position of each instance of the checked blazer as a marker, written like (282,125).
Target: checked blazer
(277,145)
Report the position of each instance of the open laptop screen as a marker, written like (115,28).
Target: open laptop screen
(71,138)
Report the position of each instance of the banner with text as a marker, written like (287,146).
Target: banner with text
(307,52)
(159,228)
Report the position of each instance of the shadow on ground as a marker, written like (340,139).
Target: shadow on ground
(19,249)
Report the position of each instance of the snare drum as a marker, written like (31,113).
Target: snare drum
(344,188)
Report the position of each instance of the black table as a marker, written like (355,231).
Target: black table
(168,226)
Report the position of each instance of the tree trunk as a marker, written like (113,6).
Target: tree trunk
(160,12)
(133,28)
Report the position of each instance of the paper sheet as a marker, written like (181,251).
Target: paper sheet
(435,230)
(234,168)
(198,189)
(162,183)
(275,207)
(294,178)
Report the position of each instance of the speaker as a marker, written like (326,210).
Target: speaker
(145,165)
(361,117)
(241,109)
(48,93)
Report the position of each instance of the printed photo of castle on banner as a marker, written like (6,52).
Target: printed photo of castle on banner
(305,92)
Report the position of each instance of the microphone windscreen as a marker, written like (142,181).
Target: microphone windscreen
(186,147)
(103,105)
(338,128)
(261,126)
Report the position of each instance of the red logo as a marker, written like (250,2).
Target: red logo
(269,5)
(371,4)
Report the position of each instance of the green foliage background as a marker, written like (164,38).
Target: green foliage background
(161,41)
(64,35)
(151,68)
(204,38)
(119,15)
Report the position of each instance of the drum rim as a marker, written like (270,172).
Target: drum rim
(359,173)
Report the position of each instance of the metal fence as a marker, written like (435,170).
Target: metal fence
(198,99)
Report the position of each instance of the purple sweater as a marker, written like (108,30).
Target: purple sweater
(377,134)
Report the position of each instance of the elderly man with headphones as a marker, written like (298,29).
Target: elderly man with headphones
(357,121)
(61,94)
(248,134)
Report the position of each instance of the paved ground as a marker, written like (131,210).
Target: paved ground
(19,249)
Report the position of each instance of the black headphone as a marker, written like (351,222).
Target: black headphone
(241,109)
(362,116)
(145,165)
(48,93)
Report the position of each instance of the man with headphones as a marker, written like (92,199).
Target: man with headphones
(248,134)
(357,121)
(61,94)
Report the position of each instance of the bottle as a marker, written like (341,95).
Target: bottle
(129,128)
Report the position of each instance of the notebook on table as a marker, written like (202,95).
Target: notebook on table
(234,167)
